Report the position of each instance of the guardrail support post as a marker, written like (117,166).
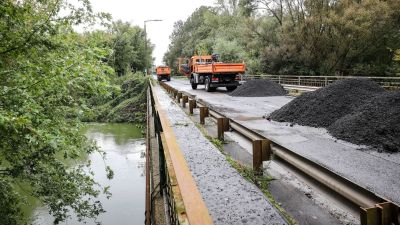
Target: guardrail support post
(385,213)
(175,93)
(220,128)
(266,150)
(225,122)
(192,105)
(179,97)
(184,100)
(203,114)
(369,216)
(257,155)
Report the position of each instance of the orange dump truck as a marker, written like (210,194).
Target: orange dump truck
(163,72)
(208,71)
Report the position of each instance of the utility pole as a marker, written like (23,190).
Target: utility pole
(146,71)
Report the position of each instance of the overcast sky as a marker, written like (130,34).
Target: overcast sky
(137,11)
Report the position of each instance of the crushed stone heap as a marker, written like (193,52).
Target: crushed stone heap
(375,123)
(324,106)
(258,88)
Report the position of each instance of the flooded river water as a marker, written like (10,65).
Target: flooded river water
(125,155)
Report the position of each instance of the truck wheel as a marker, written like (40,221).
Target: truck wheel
(194,85)
(207,85)
(169,79)
(231,88)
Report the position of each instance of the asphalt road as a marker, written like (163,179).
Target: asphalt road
(377,172)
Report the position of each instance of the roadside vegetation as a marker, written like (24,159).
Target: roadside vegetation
(323,37)
(51,79)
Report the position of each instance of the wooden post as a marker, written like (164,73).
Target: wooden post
(266,150)
(179,97)
(192,105)
(389,213)
(369,216)
(226,124)
(220,128)
(257,155)
(203,114)
(184,100)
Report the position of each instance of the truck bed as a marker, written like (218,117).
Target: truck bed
(220,68)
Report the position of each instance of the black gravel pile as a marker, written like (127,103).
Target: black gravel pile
(324,106)
(376,123)
(258,88)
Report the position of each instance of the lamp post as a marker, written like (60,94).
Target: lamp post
(145,44)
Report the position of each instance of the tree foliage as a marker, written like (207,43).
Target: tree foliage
(324,37)
(130,52)
(47,75)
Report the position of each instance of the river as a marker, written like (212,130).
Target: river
(126,156)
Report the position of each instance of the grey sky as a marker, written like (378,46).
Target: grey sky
(135,12)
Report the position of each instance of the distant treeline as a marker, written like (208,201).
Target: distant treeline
(310,37)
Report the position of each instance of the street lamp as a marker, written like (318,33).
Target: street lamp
(145,43)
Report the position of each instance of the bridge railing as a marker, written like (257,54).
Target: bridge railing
(390,83)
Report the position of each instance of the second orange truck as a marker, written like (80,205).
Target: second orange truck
(163,72)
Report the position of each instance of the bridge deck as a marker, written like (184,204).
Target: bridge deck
(229,198)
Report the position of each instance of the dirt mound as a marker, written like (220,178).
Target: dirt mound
(375,123)
(324,106)
(258,88)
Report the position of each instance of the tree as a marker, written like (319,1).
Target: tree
(312,37)
(129,50)
(329,37)
(47,74)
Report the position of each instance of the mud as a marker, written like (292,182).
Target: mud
(376,123)
(259,88)
(324,106)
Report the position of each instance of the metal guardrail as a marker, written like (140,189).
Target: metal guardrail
(374,210)
(185,205)
(390,83)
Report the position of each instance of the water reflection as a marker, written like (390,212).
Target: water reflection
(125,154)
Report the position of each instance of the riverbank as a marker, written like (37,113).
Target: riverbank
(124,148)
